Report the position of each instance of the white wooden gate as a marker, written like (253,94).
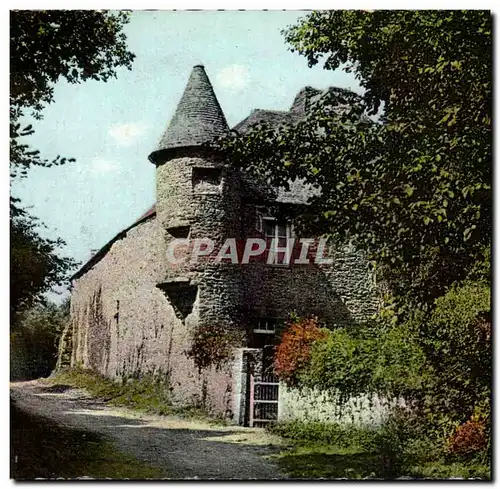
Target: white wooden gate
(263,400)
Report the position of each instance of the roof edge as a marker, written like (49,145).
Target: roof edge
(168,154)
(104,250)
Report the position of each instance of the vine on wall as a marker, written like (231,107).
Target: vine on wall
(212,346)
(99,334)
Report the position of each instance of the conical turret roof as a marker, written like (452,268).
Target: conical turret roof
(198,118)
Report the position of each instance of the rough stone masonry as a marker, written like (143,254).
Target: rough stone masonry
(134,314)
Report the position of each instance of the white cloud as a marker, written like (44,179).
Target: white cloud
(100,166)
(233,77)
(127,134)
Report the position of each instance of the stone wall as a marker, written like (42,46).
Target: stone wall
(313,405)
(134,313)
(340,294)
(211,209)
(124,326)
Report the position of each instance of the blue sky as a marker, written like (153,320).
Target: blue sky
(110,128)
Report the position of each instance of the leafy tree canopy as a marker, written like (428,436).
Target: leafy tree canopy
(46,46)
(35,264)
(414,188)
(34,344)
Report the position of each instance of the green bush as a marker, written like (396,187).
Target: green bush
(34,342)
(326,433)
(440,360)
(394,445)
(399,447)
(456,337)
(365,359)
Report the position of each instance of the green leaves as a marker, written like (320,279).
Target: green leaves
(456,337)
(412,191)
(49,45)
(365,359)
(46,46)
(409,190)
(406,190)
(35,263)
(468,232)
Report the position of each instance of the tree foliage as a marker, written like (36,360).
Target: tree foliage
(77,45)
(441,360)
(35,264)
(456,337)
(412,189)
(34,344)
(405,174)
(49,45)
(45,47)
(364,360)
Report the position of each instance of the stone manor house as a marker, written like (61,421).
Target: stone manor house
(133,313)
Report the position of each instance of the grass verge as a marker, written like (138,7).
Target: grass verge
(147,395)
(319,450)
(41,449)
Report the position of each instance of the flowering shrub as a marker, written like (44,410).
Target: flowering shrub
(469,437)
(294,349)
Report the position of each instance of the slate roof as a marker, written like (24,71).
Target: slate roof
(273,118)
(257,189)
(198,118)
(300,192)
(306,97)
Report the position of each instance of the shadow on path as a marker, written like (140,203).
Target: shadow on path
(184,449)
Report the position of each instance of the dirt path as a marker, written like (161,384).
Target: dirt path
(186,449)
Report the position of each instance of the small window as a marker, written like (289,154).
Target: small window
(179,232)
(282,231)
(207,180)
(268,228)
(266,326)
(273,228)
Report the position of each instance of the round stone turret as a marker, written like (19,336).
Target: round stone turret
(199,197)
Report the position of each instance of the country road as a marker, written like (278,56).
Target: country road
(184,449)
